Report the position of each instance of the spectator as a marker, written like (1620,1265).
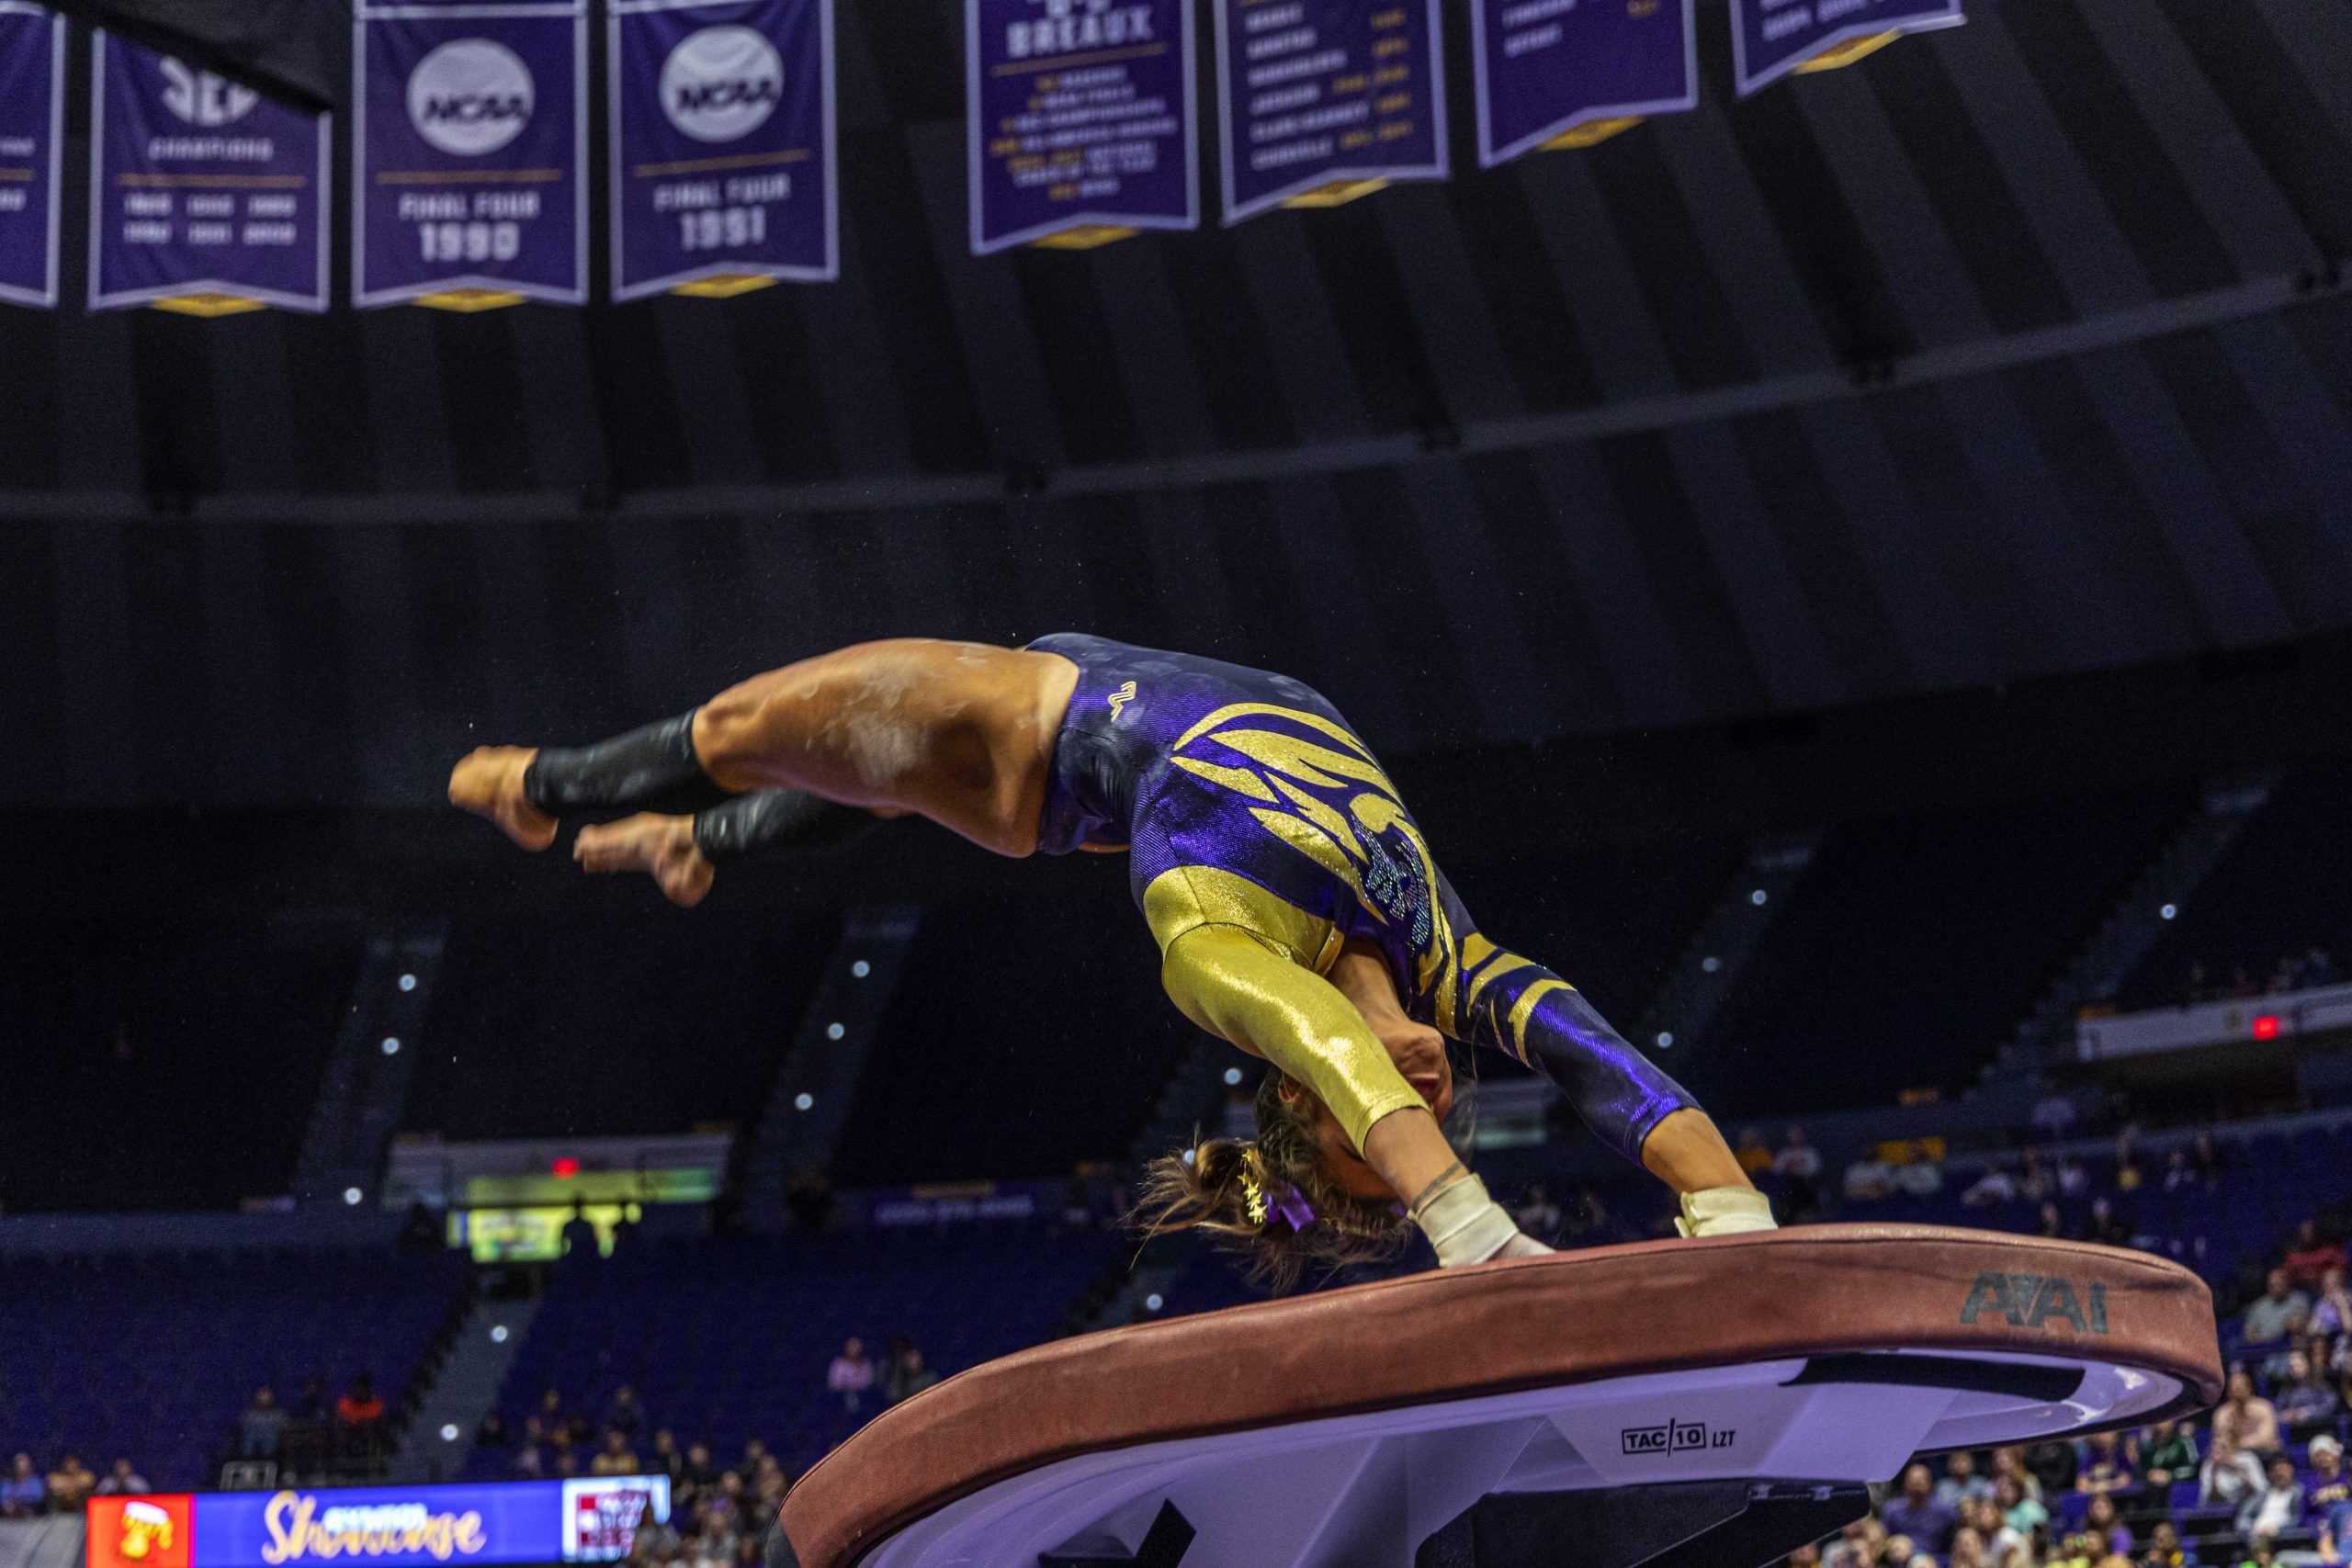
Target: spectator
(2277,1506)
(1920,1178)
(2107,1227)
(1539,1216)
(2205,1158)
(2010,1462)
(1857,1545)
(70,1484)
(2052,1116)
(1996,1186)
(2327,1490)
(1754,1157)
(2033,1181)
(907,1376)
(1962,1485)
(2280,1308)
(493,1433)
(1916,1513)
(1868,1180)
(1902,1552)
(2002,1541)
(2178,1172)
(123,1482)
(2248,1420)
(2171,1454)
(359,1418)
(667,1461)
(617,1458)
(550,1412)
(579,1237)
(2109,1467)
(2051,1225)
(851,1375)
(23,1492)
(530,1462)
(2055,1464)
(310,1404)
(625,1413)
(2074,1181)
(700,1473)
(2231,1475)
(1968,1548)
(261,1426)
(2332,1308)
(2306,1405)
(2164,1549)
(2310,1258)
(2022,1514)
(2106,1528)
(1798,1164)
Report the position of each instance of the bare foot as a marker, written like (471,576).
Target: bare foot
(489,783)
(663,846)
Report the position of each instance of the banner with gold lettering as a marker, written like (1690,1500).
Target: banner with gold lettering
(1571,73)
(722,145)
(32,150)
(1321,101)
(587,1519)
(1078,120)
(471,153)
(205,196)
(1771,37)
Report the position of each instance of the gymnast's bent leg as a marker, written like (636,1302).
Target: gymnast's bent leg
(1239,987)
(1517,1006)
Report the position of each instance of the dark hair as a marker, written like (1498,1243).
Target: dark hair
(1208,1188)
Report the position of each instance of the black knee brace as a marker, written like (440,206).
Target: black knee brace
(772,820)
(653,769)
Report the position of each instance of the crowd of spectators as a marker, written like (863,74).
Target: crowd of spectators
(2301,971)
(2262,1480)
(26,1490)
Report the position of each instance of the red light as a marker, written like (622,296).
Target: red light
(2265,1026)
(567,1168)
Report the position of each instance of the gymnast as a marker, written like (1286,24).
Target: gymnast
(1299,910)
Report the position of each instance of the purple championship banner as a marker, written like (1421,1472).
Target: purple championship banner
(32,150)
(1319,95)
(1546,69)
(723,174)
(1771,37)
(1078,119)
(469,184)
(205,196)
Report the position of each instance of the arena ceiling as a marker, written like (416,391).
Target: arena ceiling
(2014,350)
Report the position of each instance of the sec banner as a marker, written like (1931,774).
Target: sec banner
(722,145)
(1771,37)
(205,196)
(1078,120)
(470,153)
(581,1520)
(1322,100)
(32,149)
(1548,70)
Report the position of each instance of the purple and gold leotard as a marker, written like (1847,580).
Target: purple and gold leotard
(1246,800)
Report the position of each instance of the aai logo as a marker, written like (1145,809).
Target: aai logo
(201,98)
(470,97)
(722,84)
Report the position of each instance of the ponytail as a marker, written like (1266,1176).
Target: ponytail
(1267,1202)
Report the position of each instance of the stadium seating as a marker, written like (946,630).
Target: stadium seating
(153,1356)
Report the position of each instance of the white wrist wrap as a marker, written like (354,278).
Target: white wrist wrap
(1725,1211)
(1464,1224)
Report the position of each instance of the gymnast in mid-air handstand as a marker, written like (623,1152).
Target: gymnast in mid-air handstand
(1299,912)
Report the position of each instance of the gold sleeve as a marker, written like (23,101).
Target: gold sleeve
(1239,986)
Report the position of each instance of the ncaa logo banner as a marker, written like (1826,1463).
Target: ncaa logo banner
(205,196)
(470,153)
(722,145)
(32,146)
(1771,37)
(1078,119)
(1570,73)
(1321,101)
